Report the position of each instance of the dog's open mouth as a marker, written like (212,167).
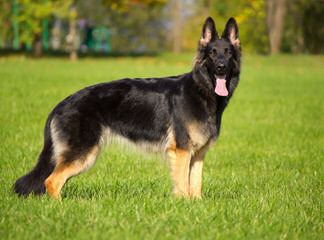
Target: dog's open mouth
(220,88)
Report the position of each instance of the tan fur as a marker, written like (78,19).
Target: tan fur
(179,166)
(186,165)
(197,137)
(196,170)
(109,137)
(206,39)
(64,171)
(195,181)
(235,41)
(59,146)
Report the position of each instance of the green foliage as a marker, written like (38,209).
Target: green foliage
(263,179)
(253,30)
(134,26)
(139,30)
(31,14)
(250,15)
(143,25)
(127,5)
(313,28)
(5,20)
(304,29)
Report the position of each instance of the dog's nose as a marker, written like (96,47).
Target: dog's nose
(221,68)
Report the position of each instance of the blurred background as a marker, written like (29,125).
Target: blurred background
(138,27)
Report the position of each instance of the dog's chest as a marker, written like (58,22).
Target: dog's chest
(200,134)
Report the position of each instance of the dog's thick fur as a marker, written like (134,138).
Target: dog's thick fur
(180,116)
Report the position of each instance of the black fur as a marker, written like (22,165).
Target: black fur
(34,180)
(143,109)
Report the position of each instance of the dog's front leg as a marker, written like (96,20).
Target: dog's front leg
(196,172)
(179,166)
(196,168)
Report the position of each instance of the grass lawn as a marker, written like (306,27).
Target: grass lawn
(263,179)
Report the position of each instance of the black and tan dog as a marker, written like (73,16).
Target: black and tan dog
(180,116)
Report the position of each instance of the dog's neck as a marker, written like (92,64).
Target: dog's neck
(204,83)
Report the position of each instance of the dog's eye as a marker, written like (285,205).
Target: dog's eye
(213,51)
(227,51)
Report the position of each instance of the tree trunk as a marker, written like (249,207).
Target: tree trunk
(72,36)
(177,28)
(207,8)
(5,31)
(276,10)
(37,45)
(6,25)
(72,33)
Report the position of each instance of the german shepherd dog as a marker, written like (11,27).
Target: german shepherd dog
(179,116)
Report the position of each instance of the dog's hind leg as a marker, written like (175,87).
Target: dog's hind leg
(67,168)
(179,164)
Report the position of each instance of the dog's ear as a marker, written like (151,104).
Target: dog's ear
(231,32)
(209,32)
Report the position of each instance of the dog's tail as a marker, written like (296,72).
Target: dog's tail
(33,182)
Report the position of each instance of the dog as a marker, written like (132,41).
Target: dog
(179,116)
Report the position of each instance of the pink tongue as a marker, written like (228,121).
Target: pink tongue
(220,88)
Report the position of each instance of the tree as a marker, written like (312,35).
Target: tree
(177,26)
(32,13)
(134,25)
(276,10)
(5,23)
(249,14)
(72,36)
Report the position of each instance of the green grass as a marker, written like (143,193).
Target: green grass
(263,179)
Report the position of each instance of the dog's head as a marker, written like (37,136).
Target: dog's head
(219,54)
